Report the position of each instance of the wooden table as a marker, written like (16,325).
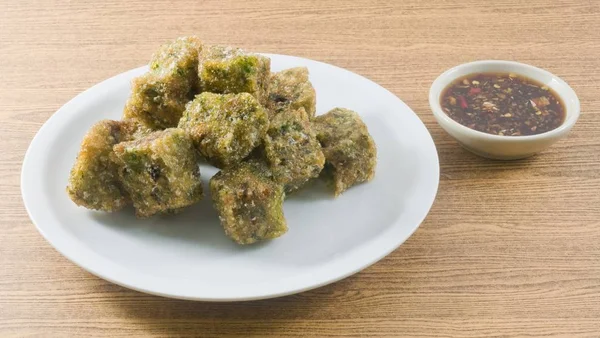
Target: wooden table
(509,248)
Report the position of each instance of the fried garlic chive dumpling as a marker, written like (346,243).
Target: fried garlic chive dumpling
(249,202)
(292,150)
(349,149)
(94,180)
(225,127)
(178,58)
(227,70)
(158,97)
(291,89)
(160,172)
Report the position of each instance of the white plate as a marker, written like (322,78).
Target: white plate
(188,256)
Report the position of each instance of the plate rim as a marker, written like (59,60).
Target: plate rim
(72,255)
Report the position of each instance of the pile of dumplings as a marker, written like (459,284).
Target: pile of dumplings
(223,106)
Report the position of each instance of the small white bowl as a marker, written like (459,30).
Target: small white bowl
(496,146)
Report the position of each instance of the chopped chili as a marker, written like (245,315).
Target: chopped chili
(503,104)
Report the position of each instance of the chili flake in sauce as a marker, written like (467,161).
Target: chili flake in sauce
(503,104)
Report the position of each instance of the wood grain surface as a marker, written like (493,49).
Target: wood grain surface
(509,248)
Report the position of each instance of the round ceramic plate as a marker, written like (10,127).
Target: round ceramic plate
(188,255)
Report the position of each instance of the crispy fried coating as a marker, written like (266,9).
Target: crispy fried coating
(290,89)
(94,181)
(158,97)
(179,58)
(160,171)
(249,202)
(349,149)
(227,70)
(292,149)
(225,127)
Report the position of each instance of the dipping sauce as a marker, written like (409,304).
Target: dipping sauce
(503,104)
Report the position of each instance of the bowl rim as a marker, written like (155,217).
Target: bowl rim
(566,93)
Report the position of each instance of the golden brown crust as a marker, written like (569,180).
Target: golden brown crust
(227,70)
(292,149)
(225,127)
(94,182)
(290,89)
(349,149)
(158,97)
(160,172)
(249,202)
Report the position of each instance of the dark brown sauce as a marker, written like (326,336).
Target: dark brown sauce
(503,104)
